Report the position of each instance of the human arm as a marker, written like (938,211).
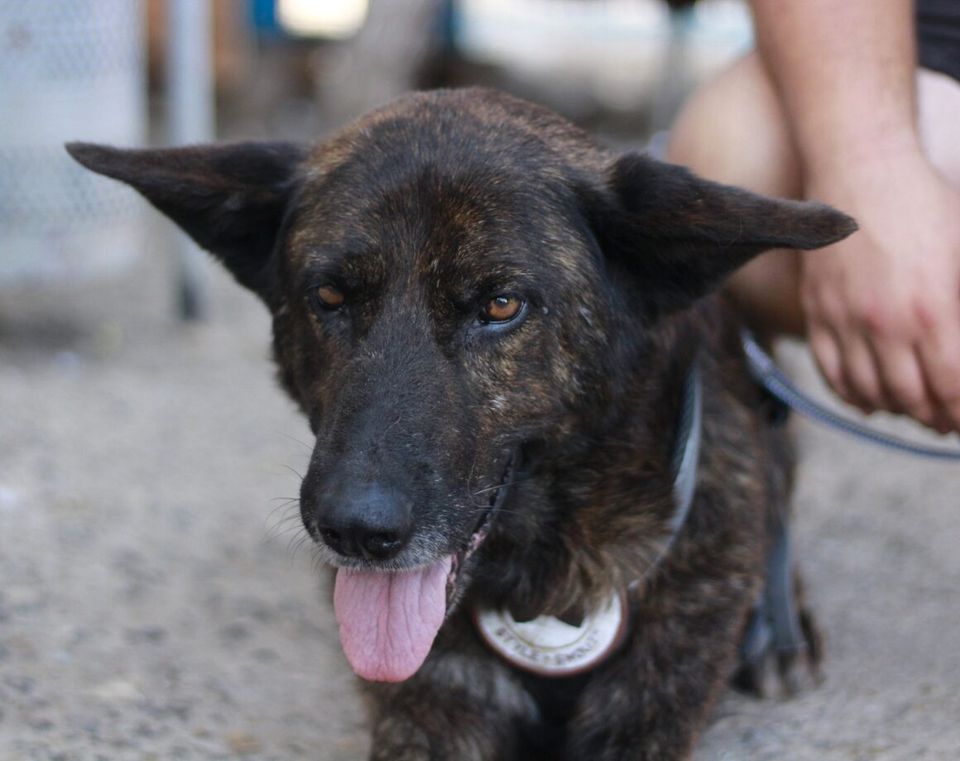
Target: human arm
(882,308)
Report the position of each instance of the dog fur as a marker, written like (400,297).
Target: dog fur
(561,422)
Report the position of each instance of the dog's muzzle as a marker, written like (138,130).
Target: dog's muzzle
(389,619)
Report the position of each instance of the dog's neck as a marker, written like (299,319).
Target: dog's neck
(579,639)
(603,504)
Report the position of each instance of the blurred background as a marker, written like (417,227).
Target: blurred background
(136,72)
(156,597)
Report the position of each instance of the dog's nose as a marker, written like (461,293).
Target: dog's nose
(374,522)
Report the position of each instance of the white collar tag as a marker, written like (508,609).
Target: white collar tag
(546,646)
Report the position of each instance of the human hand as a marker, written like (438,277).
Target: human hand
(883,306)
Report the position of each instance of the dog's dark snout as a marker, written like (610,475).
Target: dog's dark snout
(372,522)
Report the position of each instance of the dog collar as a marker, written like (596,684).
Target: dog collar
(686,452)
(546,646)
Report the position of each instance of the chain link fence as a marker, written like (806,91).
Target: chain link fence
(69,70)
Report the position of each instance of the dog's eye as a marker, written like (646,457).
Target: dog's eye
(329,296)
(502,308)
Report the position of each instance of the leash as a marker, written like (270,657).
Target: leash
(773,379)
(774,624)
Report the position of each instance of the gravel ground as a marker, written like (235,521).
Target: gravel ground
(155,604)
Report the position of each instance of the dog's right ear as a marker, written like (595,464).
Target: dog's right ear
(680,236)
(230,199)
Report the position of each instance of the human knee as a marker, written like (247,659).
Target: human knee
(732,129)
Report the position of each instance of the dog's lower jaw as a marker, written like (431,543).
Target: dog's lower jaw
(459,579)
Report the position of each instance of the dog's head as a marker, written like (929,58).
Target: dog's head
(450,278)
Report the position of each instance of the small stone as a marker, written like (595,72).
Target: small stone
(21,684)
(40,724)
(234,632)
(116,690)
(149,635)
(145,729)
(243,743)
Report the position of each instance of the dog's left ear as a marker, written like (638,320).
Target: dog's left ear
(230,199)
(682,235)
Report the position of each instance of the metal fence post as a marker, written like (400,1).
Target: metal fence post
(190,119)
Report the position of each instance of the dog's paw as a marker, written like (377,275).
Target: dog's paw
(782,648)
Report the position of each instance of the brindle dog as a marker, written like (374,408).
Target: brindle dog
(488,320)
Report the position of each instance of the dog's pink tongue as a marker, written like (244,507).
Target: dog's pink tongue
(388,621)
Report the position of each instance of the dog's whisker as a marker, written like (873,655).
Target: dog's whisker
(502,511)
(304,444)
(296,543)
(284,506)
(290,532)
(286,530)
(318,563)
(279,531)
(283,513)
(292,470)
(504,485)
(287,502)
(286,521)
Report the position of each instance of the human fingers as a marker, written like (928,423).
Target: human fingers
(939,356)
(862,372)
(826,352)
(902,380)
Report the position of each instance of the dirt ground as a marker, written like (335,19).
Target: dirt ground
(156,602)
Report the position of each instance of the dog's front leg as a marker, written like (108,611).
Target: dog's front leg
(466,707)
(649,703)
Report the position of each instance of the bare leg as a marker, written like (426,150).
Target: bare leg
(733,130)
